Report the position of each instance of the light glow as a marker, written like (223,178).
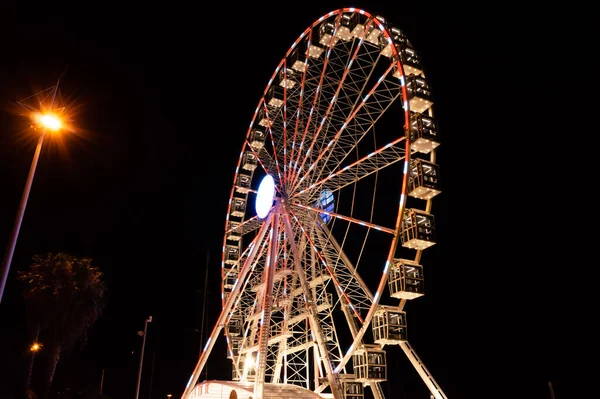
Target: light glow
(250,363)
(265,196)
(50,121)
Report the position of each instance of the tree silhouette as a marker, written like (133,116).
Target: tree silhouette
(65,297)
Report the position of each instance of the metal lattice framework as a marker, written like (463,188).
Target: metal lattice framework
(345,128)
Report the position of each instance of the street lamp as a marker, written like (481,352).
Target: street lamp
(148,320)
(46,121)
(49,121)
(34,349)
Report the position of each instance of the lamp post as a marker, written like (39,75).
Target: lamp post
(47,121)
(33,349)
(139,379)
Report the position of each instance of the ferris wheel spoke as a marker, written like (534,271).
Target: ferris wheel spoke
(346,218)
(326,267)
(357,128)
(344,269)
(356,125)
(236,230)
(273,160)
(369,164)
(286,83)
(346,272)
(318,96)
(327,91)
(358,68)
(348,303)
(267,163)
(299,104)
(324,301)
(333,92)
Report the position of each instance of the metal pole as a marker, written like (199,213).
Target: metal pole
(151,376)
(139,379)
(551,389)
(204,313)
(17,226)
(19,219)
(101,381)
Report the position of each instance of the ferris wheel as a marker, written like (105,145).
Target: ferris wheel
(329,213)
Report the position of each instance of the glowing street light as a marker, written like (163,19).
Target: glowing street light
(50,121)
(47,121)
(34,349)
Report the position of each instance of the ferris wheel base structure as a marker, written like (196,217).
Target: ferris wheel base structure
(213,389)
(329,214)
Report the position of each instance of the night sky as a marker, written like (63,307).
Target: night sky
(163,96)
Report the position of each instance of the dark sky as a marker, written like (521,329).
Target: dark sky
(163,97)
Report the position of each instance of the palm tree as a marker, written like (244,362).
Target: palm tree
(65,297)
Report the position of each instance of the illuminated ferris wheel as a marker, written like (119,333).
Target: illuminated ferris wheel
(329,214)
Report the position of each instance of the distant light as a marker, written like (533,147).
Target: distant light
(35,347)
(50,121)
